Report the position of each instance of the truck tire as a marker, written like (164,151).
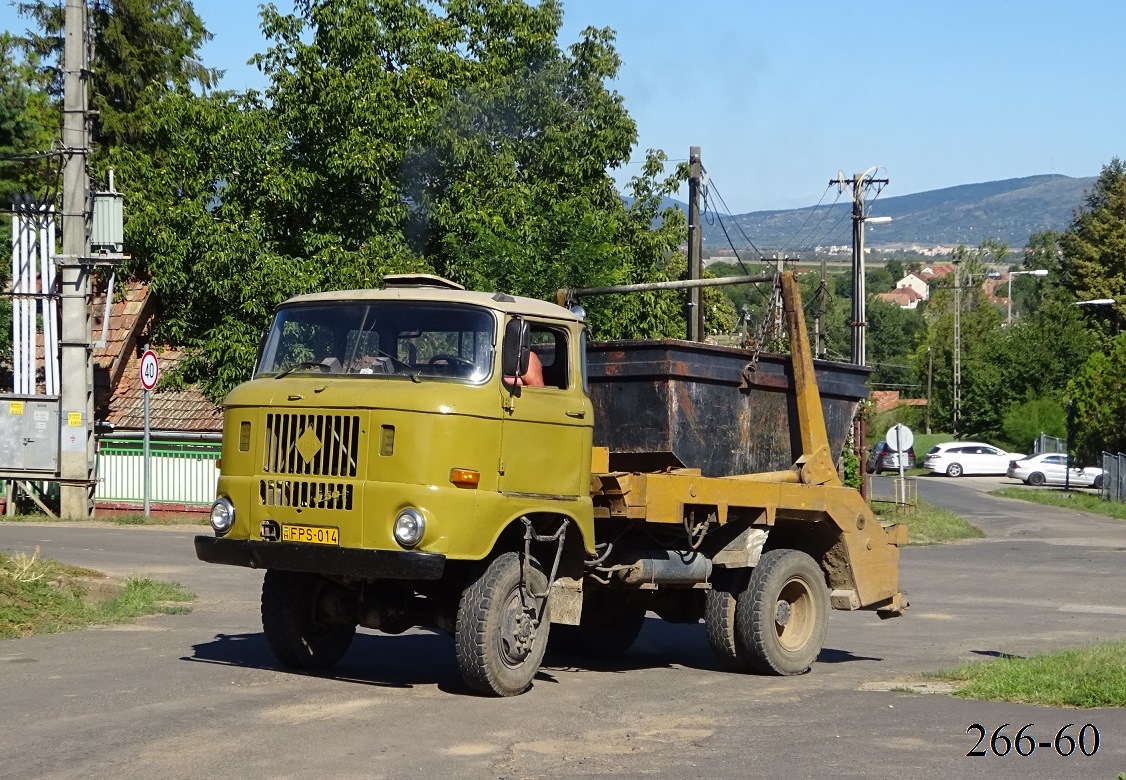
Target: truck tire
(608,627)
(293,629)
(719,621)
(499,635)
(782,615)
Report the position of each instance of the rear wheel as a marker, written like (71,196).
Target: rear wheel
(500,633)
(1036,479)
(296,629)
(783,614)
(719,621)
(1098,483)
(954,470)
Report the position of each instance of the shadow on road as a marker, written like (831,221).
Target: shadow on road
(428,658)
(373,659)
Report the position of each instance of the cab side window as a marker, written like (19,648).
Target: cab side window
(550,346)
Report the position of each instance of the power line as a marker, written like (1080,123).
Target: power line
(809,216)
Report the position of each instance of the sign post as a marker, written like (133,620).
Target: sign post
(900,439)
(150,373)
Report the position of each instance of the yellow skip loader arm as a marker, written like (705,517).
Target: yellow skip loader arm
(805,507)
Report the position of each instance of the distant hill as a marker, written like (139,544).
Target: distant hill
(1009,210)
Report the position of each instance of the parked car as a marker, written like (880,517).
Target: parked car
(1050,468)
(883,458)
(955,458)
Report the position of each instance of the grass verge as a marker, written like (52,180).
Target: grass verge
(136,518)
(1086,677)
(1082,501)
(927,524)
(43,596)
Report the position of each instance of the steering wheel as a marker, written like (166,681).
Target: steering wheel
(463,365)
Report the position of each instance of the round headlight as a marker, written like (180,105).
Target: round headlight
(222,515)
(410,525)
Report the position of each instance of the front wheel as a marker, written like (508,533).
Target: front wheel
(954,470)
(1098,483)
(783,614)
(298,632)
(502,626)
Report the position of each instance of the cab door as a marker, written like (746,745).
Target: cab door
(546,431)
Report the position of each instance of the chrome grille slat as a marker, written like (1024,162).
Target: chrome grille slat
(337,456)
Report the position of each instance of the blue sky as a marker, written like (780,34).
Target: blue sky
(780,95)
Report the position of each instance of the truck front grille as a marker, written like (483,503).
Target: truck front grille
(323,445)
(311,495)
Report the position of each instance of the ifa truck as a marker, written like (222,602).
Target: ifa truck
(423,455)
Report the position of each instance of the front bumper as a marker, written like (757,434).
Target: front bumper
(338,561)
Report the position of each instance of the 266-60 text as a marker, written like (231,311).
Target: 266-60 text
(1086,741)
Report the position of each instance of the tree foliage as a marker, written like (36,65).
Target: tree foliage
(455,137)
(1099,392)
(1093,263)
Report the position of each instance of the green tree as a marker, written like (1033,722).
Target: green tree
(1093,264)
(141,49)
(1099,392)
(1024,422)
(28,127)
(452,136)
(893,335)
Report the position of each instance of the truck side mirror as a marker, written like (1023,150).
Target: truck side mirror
(517,346)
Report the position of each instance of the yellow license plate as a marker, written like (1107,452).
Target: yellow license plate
(310,534)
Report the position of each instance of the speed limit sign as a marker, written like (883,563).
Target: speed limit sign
(150,370)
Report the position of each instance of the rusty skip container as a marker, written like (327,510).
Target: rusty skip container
(669,403)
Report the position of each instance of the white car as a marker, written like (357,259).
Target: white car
(955,458)
(1050,468)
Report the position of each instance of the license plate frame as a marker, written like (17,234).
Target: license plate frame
(310,534)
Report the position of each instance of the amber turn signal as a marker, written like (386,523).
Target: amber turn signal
(465,477)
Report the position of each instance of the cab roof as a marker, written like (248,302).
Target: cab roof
(502,302)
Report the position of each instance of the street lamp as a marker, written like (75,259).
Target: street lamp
(1037,272)
(1096,302)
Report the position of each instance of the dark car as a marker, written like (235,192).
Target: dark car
(884,458)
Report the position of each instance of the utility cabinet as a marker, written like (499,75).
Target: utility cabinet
(29,436)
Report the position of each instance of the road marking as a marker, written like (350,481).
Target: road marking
(1096,609)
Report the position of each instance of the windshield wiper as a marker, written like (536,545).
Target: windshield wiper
(405,366)
(301,365)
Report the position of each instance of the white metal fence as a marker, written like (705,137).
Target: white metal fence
(182,472)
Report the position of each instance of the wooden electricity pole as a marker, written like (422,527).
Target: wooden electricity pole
(695,246)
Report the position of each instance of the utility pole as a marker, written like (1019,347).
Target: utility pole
(695,246)
(930,381)
(77,399)
(957,348)
(860,182)
(819,339)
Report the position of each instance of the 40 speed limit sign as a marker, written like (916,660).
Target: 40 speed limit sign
(150,370)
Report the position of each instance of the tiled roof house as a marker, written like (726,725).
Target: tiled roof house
(118,395)
(184,424)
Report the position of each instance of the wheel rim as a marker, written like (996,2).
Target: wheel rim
(518,628)
(794,614)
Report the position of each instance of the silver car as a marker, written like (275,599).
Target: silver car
(1050,468)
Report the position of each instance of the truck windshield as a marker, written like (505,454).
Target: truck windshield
(380,339)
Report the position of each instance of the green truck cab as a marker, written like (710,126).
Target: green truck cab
(421,455)
(383,444)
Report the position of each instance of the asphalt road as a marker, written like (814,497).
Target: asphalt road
(198,695)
